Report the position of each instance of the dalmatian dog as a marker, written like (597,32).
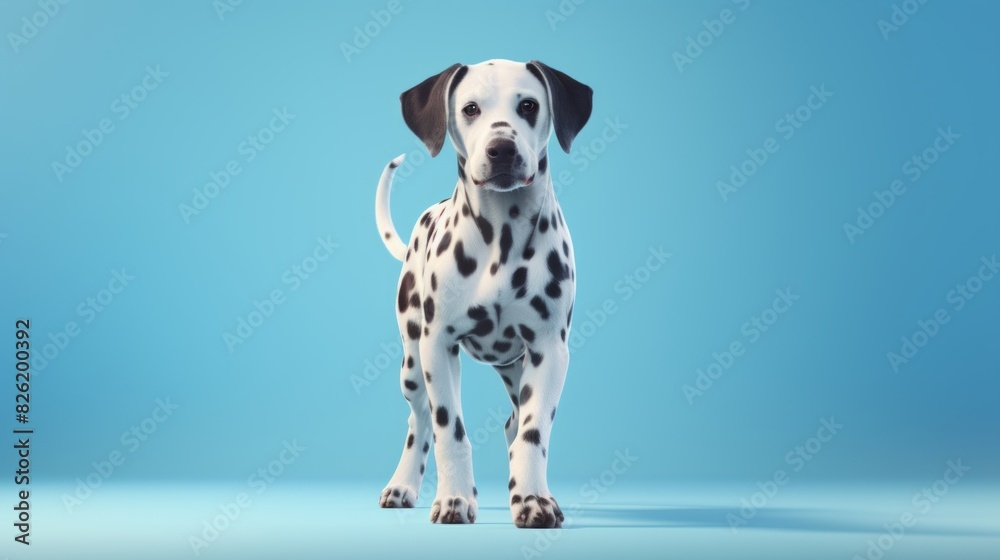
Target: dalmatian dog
(490,270)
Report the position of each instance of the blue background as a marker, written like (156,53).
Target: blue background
(322,369)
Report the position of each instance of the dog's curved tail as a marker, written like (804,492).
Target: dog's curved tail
(383,218)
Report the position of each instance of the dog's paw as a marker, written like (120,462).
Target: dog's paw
(535,512)
(397,496)
(453,510)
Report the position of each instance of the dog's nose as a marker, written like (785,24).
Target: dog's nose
(501,151)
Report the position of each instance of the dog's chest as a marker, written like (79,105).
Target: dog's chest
(494,282)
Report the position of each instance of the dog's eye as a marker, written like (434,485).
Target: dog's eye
(471,110)
(529,106)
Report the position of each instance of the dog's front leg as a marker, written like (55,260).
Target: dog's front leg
(455,501)
(545,365)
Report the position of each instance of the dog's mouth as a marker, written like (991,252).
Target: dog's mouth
(504,181)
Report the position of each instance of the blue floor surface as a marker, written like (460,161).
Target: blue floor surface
(298,521)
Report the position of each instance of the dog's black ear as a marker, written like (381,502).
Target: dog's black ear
(571,102)
(425,108)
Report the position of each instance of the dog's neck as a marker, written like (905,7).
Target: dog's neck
(495,206)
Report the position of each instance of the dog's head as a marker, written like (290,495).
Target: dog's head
(500,115)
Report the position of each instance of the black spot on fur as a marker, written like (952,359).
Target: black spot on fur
(501,346)
(514,211)
(543,164)
(410,385)
(475,491)
(529,252)
(508,332)
(393,165)
(409,441)
(450,329)
(429,309)
(543,224)
(553,413)
(466,265)
(506,242)
(427,376)
(525,393)
(527,420)
(557,268)
(511,484)
(413,330)
(514,401)
(434,282)
(526,333)
(490,357)
(409,362)
(486,228)
(416,243)
(465,210)
(406,285)
(427,446)
(415,300)
(421,469)
(536,359)
(562,335)
(445,242)
(540,307)
(459,429)
(442,416)
(507,425)
(493,269)
(454,350)
(532,436)
(515,499)
(507,381)
(387,235)
(519,279)
(482,328)
(553,290)
(566,249)
(478,313)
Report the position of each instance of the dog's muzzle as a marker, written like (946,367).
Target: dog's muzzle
(504,165)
